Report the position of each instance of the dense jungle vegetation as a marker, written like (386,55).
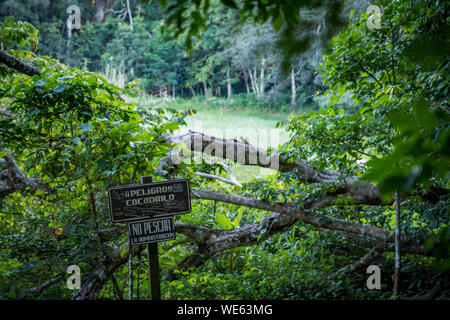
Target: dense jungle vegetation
(346,110)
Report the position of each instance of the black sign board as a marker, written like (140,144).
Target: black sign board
(151,230)
(146,200)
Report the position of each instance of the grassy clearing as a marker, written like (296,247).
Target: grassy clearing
(256,127)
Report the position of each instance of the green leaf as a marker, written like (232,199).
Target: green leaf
(277,23)
(123,252)
(424,116)
(238,217)
(391,184)
(402,121)
(86,127)
(69,76)
(60,87)
(76,140)
(224,222)
(170,126)
(229,3)
(41,83)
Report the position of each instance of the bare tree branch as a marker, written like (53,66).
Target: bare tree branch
(6,114)
(38,290)
(379,248)
(230,174)
(91,288)
(14,179)
(211,242)
(304,214)
(117,290)
(18,65)
(247,154)
(441,285)
(216,177)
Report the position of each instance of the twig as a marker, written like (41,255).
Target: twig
(38,290)
(361,262)
(212,176)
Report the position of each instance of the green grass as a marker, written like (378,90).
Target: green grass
(238,124)
(222,121)
(257,129)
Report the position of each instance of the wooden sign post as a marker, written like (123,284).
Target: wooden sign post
(153,262)
(159,201)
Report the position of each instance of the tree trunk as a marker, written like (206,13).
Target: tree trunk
(247,88)
(229,93)
(130,276)
(69,39)
(254,83)
(101,7)
(205,89)
(100,14)
(397,247)
(262,84)
(293,89)
(251,81)
(130,15)
(192,91)
(257,87)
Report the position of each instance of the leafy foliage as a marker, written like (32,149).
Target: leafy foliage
(78,134)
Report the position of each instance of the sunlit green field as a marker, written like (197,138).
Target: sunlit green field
(257,128)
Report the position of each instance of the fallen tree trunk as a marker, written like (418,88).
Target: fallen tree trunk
(245,153)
